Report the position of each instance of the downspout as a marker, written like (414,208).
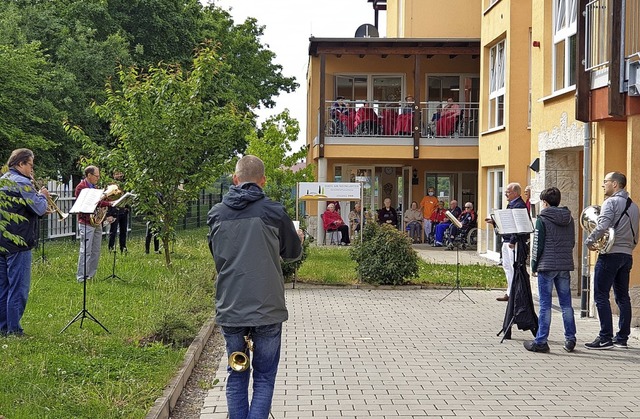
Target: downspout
(586,201)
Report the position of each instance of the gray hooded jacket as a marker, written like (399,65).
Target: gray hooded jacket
(248,234)
(626,233)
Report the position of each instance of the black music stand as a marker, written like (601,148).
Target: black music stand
(113,269)
(456,222)
(125,200)
(85,204)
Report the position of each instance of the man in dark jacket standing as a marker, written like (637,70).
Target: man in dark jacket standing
(612,268)
(15,256)
(552,260)
(248,236)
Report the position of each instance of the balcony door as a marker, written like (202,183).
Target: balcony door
(495,200)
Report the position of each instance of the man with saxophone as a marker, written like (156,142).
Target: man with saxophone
(90,231)
(248,236)
(15,255)
(612,268)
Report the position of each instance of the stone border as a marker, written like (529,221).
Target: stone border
(164,404)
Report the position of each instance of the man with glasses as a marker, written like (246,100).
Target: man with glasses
(91,233)
(21,199)
(512,193)
(612,268)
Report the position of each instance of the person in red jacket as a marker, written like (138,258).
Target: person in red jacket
(332,220)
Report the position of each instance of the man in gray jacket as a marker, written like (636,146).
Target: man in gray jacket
(612,268)
(248,236)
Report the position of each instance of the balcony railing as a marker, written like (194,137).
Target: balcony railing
(597,29)
(391,119)
(632,29)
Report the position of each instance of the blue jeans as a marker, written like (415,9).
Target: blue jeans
(612,270)
(265,359)
(440,229)
(562,281)
(15,281)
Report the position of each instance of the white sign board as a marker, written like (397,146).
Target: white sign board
(326,191)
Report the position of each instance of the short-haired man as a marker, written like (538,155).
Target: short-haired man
(552,261)
(15,256)
(512,193)
(612,268)
(248,235)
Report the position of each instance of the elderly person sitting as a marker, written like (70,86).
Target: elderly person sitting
(413,220)
(354,218)
(332,221)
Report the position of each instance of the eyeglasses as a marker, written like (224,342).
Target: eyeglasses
(468,207)
(607,180)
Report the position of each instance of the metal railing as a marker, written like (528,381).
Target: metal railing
(393,119)
(597,30)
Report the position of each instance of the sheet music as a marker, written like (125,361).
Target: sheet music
(513,221)
(126,199)
(87,201)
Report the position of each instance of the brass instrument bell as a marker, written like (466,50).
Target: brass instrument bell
(239,361)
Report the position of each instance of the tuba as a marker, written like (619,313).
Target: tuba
(239,361)
(589,221)
(111,193)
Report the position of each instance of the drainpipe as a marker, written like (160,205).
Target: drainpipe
(586,201)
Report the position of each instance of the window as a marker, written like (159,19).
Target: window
(565,16)
(496,85)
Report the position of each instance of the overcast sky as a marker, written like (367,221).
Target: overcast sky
(288,26)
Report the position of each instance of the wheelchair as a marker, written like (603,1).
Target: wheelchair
(466,238)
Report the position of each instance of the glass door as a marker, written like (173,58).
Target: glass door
(444,184)
(495,189)
(364,175)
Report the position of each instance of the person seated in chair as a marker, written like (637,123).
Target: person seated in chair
(441,227)
(339,115)
(332,221)
(354,219)
(366,120)
(448,119)
(438,216)
(467,219)
(387,214)
(413,220)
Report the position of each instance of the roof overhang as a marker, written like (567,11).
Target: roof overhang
(393,46)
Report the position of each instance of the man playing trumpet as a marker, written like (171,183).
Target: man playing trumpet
(89,231)
(15,257)
(612,268)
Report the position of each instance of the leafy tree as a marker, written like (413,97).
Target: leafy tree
(173,138)
(272,143)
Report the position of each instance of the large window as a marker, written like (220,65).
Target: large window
(565,15)
(496,85)
(369,87)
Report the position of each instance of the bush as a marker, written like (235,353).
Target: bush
(384,256)
(289,268)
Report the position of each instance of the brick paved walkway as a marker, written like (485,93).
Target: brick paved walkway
(363,353)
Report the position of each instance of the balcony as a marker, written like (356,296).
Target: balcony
(392,123)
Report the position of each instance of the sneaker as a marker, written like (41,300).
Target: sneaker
(599,344)
(437,244)
(620,344)
(531,345)
(569,345)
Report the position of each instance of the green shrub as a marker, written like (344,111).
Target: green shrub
(384,256)
(289,268)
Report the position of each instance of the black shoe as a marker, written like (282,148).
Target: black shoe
(124,250)
(620,344)
(531,345)
(569,345)
(599,344)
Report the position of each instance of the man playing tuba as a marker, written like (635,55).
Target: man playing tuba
(612,268)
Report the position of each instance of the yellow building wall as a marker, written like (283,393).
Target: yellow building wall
(434,18)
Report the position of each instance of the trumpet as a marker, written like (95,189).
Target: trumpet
(52,207)
(239,361)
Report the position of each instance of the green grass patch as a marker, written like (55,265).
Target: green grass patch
(152,314)
(333,266)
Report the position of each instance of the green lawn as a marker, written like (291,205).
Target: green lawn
(89,373)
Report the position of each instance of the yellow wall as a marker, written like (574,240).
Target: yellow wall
(435,19)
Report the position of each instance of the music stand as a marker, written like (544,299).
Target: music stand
(126,199)
(85,204)
(458,224)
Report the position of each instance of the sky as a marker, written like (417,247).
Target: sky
(288,26)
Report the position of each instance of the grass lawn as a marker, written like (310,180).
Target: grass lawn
(89,373)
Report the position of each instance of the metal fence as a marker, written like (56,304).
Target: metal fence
(53,227)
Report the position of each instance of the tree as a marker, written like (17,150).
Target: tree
(272,143)
(173,137)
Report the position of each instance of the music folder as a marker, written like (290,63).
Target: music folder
(87,201)
(453,219)
(124,200)
(513,221)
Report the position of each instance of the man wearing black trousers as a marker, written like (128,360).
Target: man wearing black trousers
(121,216)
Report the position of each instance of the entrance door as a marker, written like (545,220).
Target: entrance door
(363,174)
(444,184)
(495,189)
